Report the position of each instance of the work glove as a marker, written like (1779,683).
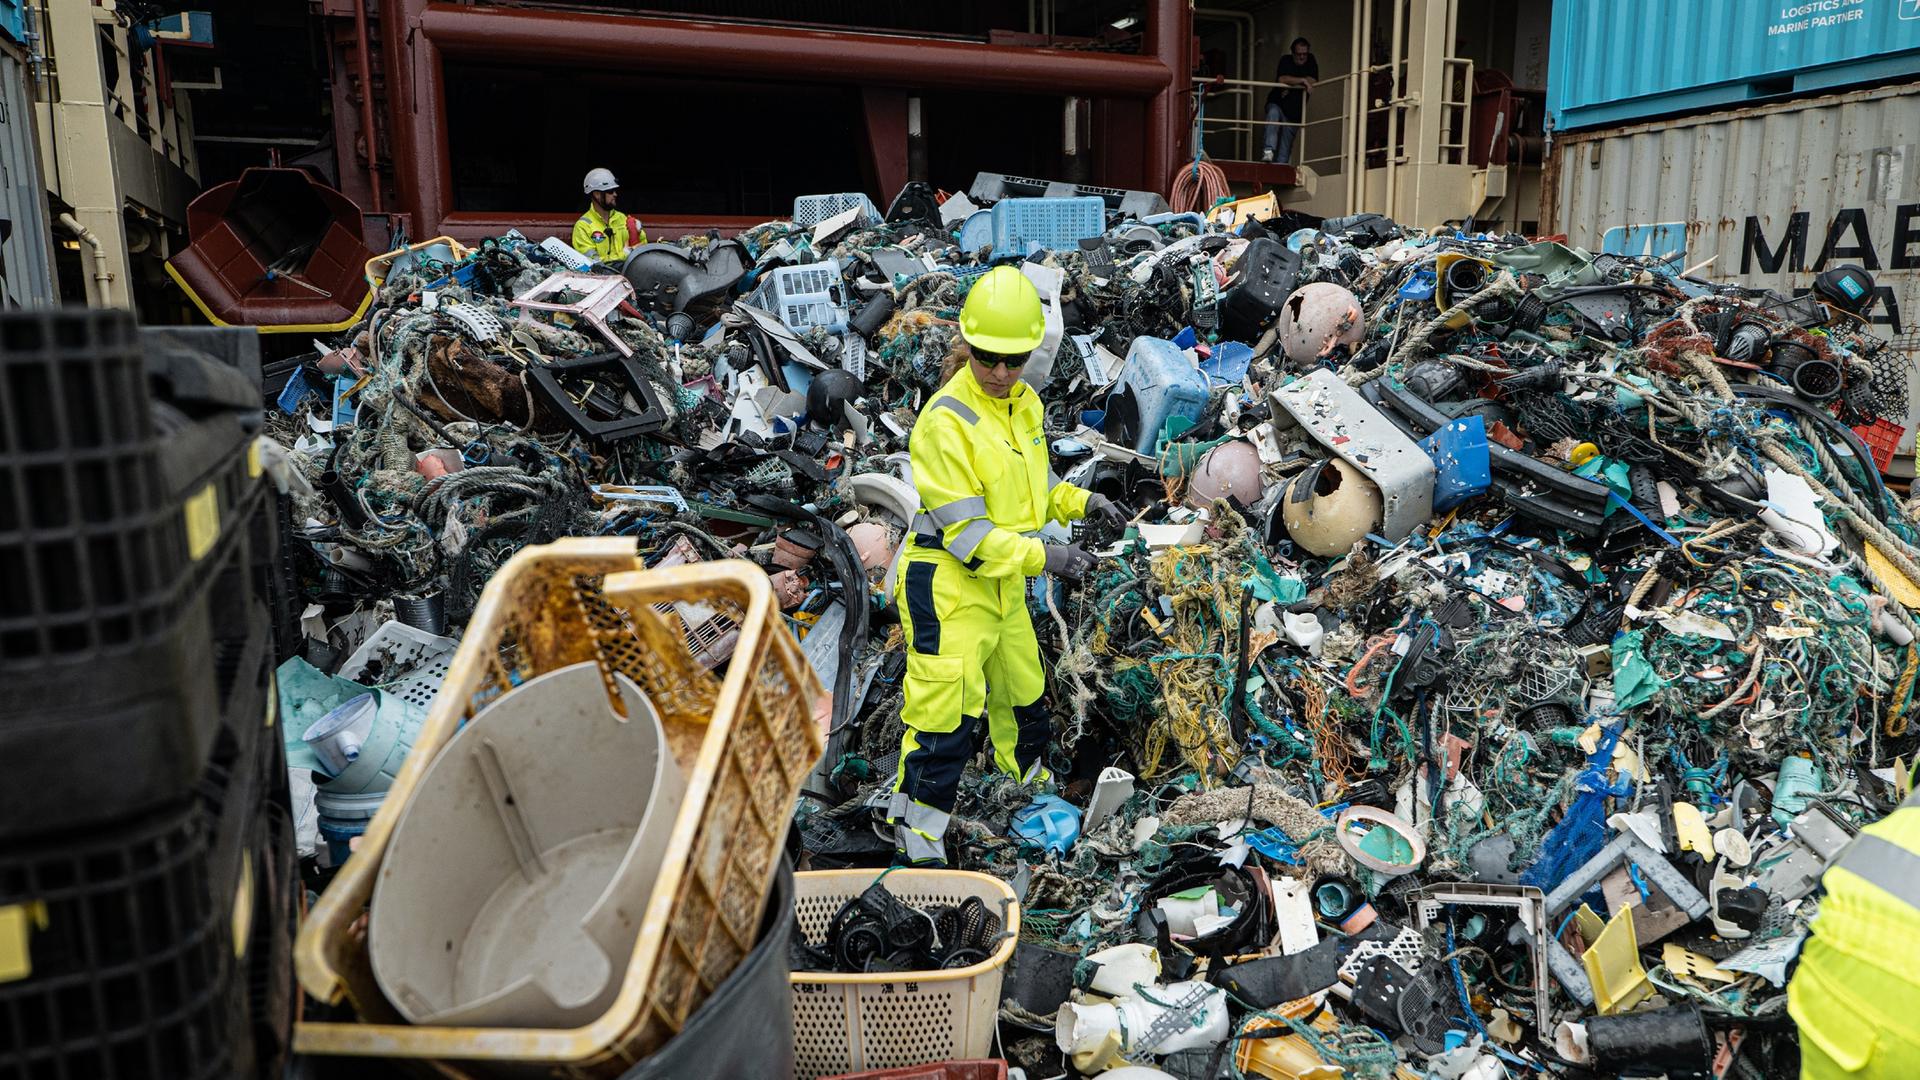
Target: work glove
(1108,511)
(1068,561)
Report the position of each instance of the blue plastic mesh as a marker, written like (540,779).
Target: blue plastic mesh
(1022,226)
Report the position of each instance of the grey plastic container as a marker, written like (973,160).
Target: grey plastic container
(516,875)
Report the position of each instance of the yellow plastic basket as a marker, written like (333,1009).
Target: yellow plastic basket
(851,1023)
(444,248)
(744,744)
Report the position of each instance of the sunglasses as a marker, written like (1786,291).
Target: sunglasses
(1012,362)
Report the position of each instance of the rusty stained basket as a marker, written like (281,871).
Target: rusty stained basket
(744,743)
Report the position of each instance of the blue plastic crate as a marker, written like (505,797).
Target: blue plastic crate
(804,297)
(811,210)
(1022,226)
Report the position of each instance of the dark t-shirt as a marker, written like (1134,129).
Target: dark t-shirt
(1291,100)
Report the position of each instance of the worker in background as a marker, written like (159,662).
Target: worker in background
(1287,103)
(602,233)
(1855,994)
(986,487)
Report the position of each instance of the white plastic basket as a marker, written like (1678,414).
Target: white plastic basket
(851,1023)
(420,658)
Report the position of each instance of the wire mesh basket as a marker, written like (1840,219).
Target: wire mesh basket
(744,740)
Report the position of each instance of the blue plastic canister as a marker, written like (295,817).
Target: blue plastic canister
(1162,385)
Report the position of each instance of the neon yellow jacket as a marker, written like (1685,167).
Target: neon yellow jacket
(981,466)
(601,238)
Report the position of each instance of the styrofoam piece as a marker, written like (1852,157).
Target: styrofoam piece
(399,648)
(514,882)
(1341,420)
(1113,789)
(957,208)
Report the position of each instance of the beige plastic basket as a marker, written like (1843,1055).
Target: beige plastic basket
(743,743)
(852,1023)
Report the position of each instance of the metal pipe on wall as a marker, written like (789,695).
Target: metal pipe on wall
(1395,97)
(1168,39)
(685,46)
(372,134)
(1354,164)
(916,140)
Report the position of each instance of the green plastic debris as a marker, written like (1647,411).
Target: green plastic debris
(1634,680)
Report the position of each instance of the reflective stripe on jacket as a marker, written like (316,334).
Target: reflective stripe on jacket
(601,238)
(980,464)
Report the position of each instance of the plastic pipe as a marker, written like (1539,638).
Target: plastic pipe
(101,276)
(361,54)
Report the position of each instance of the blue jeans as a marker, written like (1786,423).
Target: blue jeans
(1282,136)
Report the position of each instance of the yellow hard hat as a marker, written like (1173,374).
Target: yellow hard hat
(1003,313)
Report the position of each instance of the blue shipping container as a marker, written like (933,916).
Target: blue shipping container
(1616,61)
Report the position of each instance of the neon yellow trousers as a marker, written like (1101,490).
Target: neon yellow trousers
(971,654)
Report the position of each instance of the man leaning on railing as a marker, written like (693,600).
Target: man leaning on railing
(1297,72)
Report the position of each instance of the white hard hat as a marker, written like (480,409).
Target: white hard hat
(600,180)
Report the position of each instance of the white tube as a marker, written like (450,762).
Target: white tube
(101,276)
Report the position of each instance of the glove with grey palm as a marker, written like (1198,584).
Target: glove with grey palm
(1068,561)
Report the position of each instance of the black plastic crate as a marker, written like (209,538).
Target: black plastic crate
(136,543)
(124,460)
(165,947)
(132,965)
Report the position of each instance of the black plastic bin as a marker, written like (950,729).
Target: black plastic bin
(132,566)
(745,1028)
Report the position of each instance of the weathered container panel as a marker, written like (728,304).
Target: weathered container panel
(1618,61)
(1771,194)
(26,255)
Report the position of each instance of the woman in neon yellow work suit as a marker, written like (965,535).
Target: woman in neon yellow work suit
(986,487)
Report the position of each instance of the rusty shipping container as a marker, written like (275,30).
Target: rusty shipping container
(1771,194)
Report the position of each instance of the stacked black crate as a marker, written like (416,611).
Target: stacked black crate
(145,844)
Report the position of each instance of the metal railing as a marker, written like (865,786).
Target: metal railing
(1248,99)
